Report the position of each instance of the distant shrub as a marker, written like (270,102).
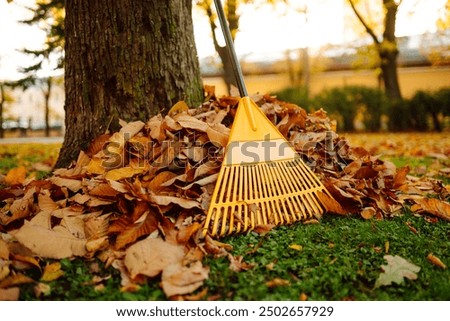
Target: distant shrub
(295,95)
(347,103)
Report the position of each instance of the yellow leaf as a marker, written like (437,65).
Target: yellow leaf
(277,282)
(52,272)
(121,173)
(179,107)
(95,166)
(296,247)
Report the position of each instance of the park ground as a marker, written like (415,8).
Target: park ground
(340,258)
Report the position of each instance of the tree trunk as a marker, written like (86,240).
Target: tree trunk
(47,93)
(233,23)
(125,60)
(2,101)
(388,52)
(387,48)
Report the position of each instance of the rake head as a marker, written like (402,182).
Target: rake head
(262,179)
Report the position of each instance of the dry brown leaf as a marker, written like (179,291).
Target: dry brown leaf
(55,244)
(45,202)
(166,200)
(237,264)
(19,209)
(187,121)
(52,272)
(433,259)
(263,228)
(4,250)
(218,134)
(150,256)
(16,176)
(156,129)
(177,279)
(10,294)
(73,184)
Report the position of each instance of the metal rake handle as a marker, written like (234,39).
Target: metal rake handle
(231,51)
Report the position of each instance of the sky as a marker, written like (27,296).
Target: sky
(266,30)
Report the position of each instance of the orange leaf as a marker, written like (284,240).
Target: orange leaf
(277,282)
(186,231)
(368,212)
(16,176)
(331,204)
(27,259)
(15,279)
(434,206)
(436,261)
(133,232)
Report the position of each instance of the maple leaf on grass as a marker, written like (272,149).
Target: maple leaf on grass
(396,270)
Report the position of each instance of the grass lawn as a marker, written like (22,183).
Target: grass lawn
(338,259)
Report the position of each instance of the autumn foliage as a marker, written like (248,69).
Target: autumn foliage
(136,199)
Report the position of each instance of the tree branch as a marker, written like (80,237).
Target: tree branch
(364,23)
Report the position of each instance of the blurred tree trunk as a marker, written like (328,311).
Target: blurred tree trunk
(230,9)
(386,47)
(2,102)
(125,60)
(47,89)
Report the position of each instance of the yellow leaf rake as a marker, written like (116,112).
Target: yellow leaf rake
(262,179)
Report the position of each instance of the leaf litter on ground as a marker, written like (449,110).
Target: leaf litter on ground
(136,199)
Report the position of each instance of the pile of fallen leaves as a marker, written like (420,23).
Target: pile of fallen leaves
(137,199)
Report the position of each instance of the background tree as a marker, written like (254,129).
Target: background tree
(125,60)
(47,61)
(5,98)
(230,9)
(386,45)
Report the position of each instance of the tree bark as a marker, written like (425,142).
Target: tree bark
(2,101)
(388,51)
(233,23)
(125,60)
(386,48)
